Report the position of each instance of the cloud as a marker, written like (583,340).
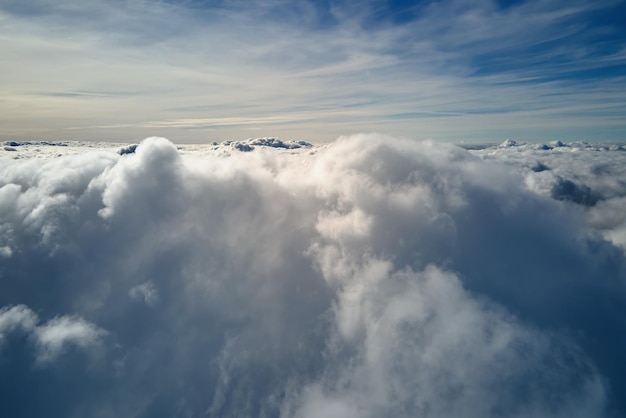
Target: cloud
(16,317)
(591,176)
(145,292)
(51,338)
(429,348)
(371,276)
(122,68)
(57,334)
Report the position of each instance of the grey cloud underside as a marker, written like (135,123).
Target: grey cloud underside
(370,277)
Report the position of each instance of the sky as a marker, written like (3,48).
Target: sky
(368,277)
(202,71)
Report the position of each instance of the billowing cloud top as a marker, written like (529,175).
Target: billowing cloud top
(369,277)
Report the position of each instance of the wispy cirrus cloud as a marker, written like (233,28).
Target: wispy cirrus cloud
(529,60)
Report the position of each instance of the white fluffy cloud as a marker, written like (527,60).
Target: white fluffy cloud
(53,337)
(369,277)
(590,176)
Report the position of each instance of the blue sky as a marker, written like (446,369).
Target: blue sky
(196,71)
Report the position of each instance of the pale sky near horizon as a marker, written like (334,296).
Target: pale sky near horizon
(201,71)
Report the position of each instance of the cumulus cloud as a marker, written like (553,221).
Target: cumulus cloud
(16,317)
(590,176)
(51,338)
(428,348)
(368,277)
(59,333)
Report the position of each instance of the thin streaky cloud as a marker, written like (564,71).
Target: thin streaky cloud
(221,60)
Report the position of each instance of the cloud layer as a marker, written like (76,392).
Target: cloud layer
(369,277)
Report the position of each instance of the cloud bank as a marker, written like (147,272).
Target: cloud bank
(369,277)
(592,177)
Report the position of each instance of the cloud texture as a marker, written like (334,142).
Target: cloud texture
(208,70)
(369,277)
